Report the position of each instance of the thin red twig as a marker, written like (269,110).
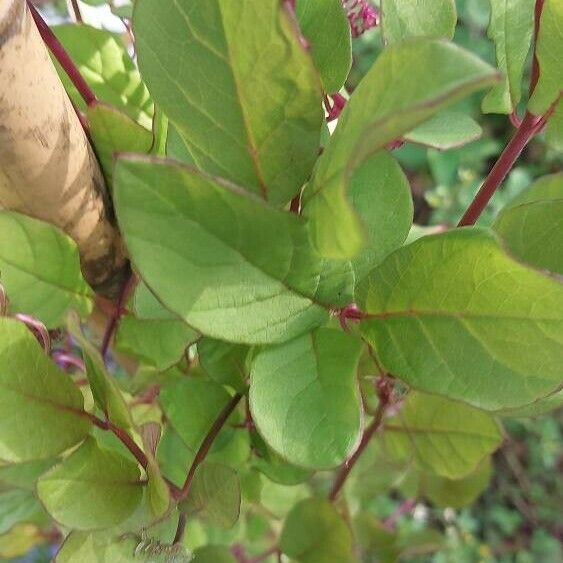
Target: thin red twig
(62,57)
(76,11)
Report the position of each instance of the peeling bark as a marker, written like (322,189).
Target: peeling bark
(47,167)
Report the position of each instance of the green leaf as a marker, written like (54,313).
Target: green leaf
(405,19)
(23,475)
(442,436)
(554,129)
(453,493)
(215,495)
(238,290)
(113,131)
(304,398)
(531,225)
(225,363)
(148,307)
(381,194)
(213,554)
(157,343)
(192,405)
(97,547)
(327,30)
(538,408)
(18,506)
(106,392)
(446,130)
(395,96)
(511,28)
(314,532)
(102,59)
(258,119)
(40,270)
(42,409)
(93,488)
(549,45)
(452,314)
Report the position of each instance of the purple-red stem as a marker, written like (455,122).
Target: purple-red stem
(38,328)
(208,442)
(124,438)
(404,508)
(113,322)
(76,11)
(62,57)
(529,127)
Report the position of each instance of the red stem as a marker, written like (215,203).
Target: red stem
(113,322)
(125,439)
(181,529)
(76,10)
(62,57)
(349,465)
(208,442)
(531,124)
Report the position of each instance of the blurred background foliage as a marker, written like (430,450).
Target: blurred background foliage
(519,517)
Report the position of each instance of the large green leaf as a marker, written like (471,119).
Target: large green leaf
(102,59)
(192,405)
(538,408)
(157,343)
(42,409)
(531,225)
(112,131)
(446,130)
(215,495)
(327,30)
(23,475)
(442,436)
(548,49)
(405,19)
(180,225)
(304,398)
(452,314)
(40,270)
(395,96)
(107,394)
(238,85)
(511,28)
(93,488)
(224,363)
(314,532)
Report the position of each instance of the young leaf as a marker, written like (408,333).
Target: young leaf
(452,314)
(549,45)
(258,119)
(395,96)
(325,26)
(106,392)
(304,398)
(42,409)
(91,489)
(238,290)
(445,437)
(215,495)
(446,130)
(157,343)
(40,270)
(97,547)
(103,61)
(192,405)
(531,225)
(511,28)
(314,532)
(113,131)
(405,19)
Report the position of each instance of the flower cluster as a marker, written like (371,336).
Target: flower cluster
(362,15)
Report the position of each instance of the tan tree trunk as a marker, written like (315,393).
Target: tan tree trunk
(47,167)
